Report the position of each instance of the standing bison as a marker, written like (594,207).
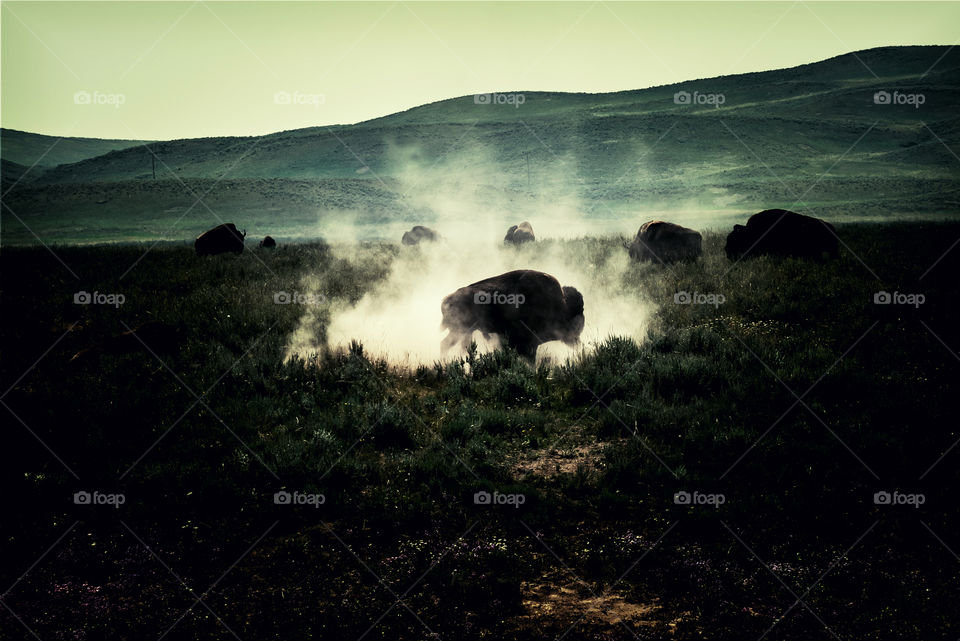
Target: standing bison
(519,234)
(662,242)
(419,234)
(268,242)
(778,232)
(220,240)
(523,307)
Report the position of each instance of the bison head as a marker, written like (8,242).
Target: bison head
(738,242)
(570,329)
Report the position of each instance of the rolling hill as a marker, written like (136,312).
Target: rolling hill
(820,137)
(42,152)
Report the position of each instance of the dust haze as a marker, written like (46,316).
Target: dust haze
(471,198)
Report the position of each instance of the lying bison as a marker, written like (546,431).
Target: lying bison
(220,240)
(524,308)
(778,232)
(519,234)
(419,234)
(268,242)
(662,242)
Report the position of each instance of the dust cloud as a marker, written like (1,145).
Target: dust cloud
(471,198)
(399,318)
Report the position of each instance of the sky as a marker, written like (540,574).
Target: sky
(166,70)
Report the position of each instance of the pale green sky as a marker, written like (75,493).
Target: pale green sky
(189,69)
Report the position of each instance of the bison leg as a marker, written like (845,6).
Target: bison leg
(528,350)
(467,341)
(451,339)
(525,343)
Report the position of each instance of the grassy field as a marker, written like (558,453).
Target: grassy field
(782,411)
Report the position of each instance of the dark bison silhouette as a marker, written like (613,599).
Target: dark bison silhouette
(518,234)
(523,307)
(419,234)
(661,242)
(268,242)
(778,232)
(161,339)
(219,240)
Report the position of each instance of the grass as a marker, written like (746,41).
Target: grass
(705,404)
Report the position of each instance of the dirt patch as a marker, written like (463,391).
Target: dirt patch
(555,609)
(574,601)
(573,450)
(552,462)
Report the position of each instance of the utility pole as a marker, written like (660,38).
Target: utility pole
(153,164)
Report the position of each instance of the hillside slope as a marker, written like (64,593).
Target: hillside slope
(25,148)
(820,108)
(702,152)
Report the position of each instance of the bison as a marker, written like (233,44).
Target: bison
(220,240)
(519,234)
(523,307)
(662,242)
(419,234)
(268,242)
(778,232)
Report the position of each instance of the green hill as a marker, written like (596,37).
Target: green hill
(811,137)
(30,149)
(820,108)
